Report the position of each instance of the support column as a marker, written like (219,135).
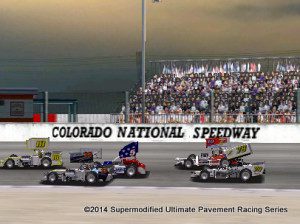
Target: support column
(127,107)
(212,106)
(42,112)
(69,113)
(75,117)
(298,106)
(46,104)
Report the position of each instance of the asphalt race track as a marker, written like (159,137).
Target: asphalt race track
(282,165)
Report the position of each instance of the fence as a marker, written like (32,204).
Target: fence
(204,118)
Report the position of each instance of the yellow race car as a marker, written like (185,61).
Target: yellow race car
(40,157)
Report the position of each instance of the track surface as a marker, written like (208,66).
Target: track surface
(282,165)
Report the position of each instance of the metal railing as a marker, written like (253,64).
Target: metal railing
(204,118)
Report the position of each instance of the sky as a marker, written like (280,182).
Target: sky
(90,45)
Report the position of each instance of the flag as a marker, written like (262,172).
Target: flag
(129,150)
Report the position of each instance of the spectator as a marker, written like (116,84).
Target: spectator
(239,89)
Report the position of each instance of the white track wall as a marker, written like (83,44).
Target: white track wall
(252,133)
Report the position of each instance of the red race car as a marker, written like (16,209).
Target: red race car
(127,163)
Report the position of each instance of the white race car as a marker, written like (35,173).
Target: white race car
(219,154)
(244,171)
(88,174)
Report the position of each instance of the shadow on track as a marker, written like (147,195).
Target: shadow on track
(138,176)
(253,180)
(77,183)
(192,168)
(34,168)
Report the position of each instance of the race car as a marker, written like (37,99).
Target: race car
(126,163)
(219,155)
(89,174)
(244,171)
(40,158)
(92,170)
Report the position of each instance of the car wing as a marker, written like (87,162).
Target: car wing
(239,151)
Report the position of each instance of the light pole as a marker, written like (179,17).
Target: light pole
(144,39)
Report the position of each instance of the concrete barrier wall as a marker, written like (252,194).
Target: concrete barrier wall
(252,133)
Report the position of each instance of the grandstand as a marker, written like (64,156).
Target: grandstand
(240,90)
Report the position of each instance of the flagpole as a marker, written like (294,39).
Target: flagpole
(144,40)
(143,58)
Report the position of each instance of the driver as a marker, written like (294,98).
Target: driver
(132,154)
(214,153)
(39,152)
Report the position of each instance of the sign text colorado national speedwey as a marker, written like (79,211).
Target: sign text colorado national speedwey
(153,132)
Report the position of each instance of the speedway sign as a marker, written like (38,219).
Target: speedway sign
(154,132)
(251,133)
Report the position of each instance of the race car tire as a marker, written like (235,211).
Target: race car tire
(192,156)
(188,164)
(10,164)
(224,162)
(46,162)
(245,175)
(91,178)
(204,175)
(52,177)
(131,171)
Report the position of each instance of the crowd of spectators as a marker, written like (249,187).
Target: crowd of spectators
(238,97)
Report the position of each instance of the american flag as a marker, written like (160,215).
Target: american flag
(129,150)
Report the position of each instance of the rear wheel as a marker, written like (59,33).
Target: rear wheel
(91,178)
(52,177)
(46,162)
(245,175)
(10,164)
(131,171)
(188,164)
(192,156)
(204,175)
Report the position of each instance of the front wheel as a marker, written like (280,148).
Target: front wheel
(204,175)
(91,178)
(245,175)
(188,164)
(10,164)
(46,162)
(131,171)
(52,177)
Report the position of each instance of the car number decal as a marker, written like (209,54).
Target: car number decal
(241,149)
(56,157)
(258,168)
(40,144)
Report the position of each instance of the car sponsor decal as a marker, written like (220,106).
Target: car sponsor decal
(88,154)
